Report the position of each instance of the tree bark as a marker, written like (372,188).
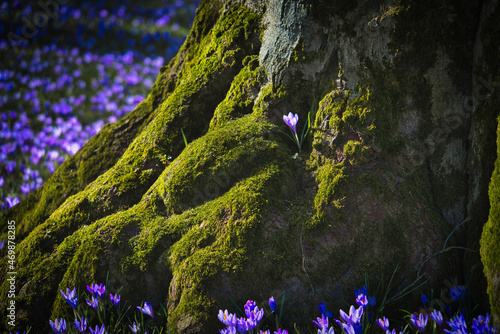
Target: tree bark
(392,173)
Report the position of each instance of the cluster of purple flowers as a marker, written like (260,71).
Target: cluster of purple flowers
(97,291)
(58,89)
(242,324)
(359,319)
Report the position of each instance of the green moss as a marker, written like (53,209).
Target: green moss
(490,249)
(242,94)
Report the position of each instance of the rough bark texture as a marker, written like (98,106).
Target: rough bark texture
(399,156)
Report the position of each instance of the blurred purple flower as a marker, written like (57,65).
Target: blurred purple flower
(10,165)
(11,201)
(25,188)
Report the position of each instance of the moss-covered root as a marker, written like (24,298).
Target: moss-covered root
(490,240)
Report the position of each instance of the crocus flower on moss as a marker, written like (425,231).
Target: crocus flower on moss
(71,297)
(147,309)
(58,326)
(97,290)
(2,243)
(383,323)
(291,120)
(419,322)
(81,326)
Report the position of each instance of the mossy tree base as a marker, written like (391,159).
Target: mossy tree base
(235,214)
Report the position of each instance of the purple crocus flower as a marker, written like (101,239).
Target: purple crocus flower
(322,310)
(229,330)
(71,297)
(437,317)
(372,301)
(135,328)
(25,188)
(383,323)
(281,331)
(457,293)
(362,291)
(425,301)
(348,328)
(97,330)
(1,181)
(58,326)
(419,322)
(147,309)
(354,316)
(228,319)
(325,331)
(93,303)
(322,322)
(115,299)
(97,290)
(11,201)
(2,243)
(361,300)
(242,326)
(272,304)
(291,120)
(457,325)
(81,326)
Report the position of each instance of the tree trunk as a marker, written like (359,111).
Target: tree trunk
(394,171)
